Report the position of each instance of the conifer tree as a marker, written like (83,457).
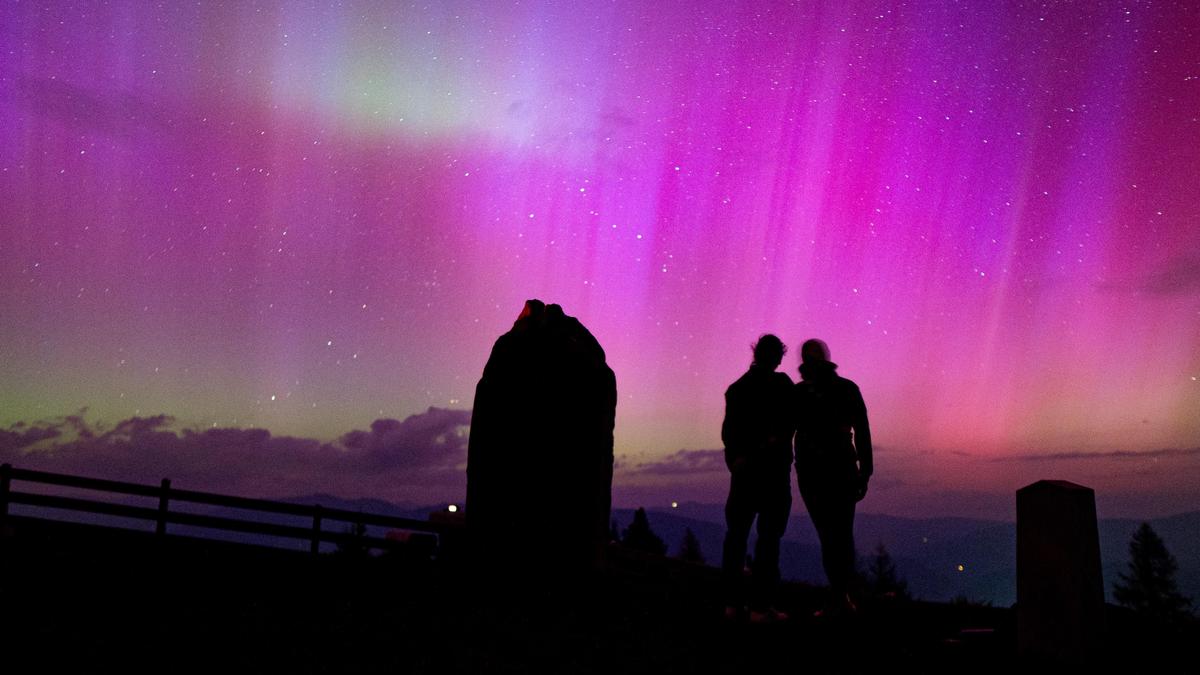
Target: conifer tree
(881,575)
(640,537)
(1149,588)
(689,549)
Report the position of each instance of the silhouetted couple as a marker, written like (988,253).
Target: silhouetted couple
(826,418)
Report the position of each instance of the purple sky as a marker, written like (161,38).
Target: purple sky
(305,219)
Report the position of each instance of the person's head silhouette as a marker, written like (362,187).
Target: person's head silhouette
(769,351)
(814,351)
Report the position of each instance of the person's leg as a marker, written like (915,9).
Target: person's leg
(816,502)
(840,561)
(776,506)
(739,515)
(832,512)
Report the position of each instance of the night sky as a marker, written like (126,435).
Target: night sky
(265,248)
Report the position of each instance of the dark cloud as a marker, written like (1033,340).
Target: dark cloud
(1180,276)
(684,462)
(434,440)
(18,437)
(21,435)
(421,456)
(1113,454)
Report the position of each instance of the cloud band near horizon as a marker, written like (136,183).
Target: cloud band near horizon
(422,459)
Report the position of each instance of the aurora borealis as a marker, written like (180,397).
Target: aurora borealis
(305,218)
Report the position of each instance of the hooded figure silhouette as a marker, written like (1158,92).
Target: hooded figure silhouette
(540,453)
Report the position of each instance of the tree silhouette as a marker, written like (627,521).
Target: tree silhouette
(689,549)
(640,537)
(1149,587)
(881,579)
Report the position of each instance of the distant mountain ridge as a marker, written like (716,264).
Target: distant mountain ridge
(927,552)
(367,505)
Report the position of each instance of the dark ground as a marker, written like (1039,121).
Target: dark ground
(78,599)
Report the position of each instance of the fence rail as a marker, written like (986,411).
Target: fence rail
(161,515)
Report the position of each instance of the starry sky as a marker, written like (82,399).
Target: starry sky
(225,220)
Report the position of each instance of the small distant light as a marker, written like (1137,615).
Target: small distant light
(674,505)
(453,508)
(961,568)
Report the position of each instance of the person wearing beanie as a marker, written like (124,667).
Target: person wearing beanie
(833,463)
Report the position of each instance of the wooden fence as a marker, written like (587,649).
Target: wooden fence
(162,515)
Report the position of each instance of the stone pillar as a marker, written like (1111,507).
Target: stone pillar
(1060,590)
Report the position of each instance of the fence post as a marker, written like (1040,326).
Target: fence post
(5,486)
(1060,583)
(161,527)
(316,530)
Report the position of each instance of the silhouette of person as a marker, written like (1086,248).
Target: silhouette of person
(540,453)
(833,463)
(757,433)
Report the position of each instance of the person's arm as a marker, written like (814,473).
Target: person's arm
(862,442)
(862,436)
(732,430)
